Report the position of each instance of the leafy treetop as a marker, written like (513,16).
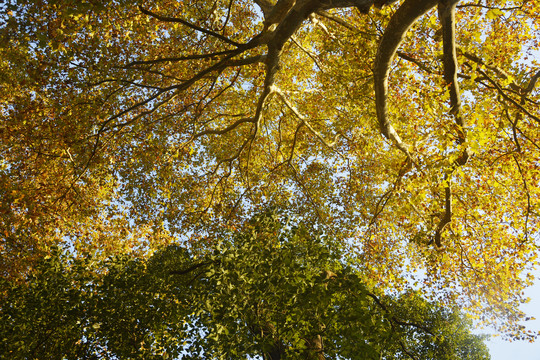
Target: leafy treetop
(271,291)
(409,131)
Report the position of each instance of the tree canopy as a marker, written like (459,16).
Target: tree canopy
(407,131)
(272,291)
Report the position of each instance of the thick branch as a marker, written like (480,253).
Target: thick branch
(265,6)
(447,217)
(278,13)
(446,11)
(399,24)
(532,82)
(447,18)
(290,22)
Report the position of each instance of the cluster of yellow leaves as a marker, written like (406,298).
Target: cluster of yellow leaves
(109,145)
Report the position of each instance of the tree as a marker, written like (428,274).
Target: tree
(273,290)
(131,126)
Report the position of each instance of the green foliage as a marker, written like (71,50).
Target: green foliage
(271,290)
(48,315)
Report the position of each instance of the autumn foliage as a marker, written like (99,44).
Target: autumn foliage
(128,126)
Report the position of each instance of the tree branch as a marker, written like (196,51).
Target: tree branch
(446,10)
(224,130)
(404,17)
(265,6)
(447,218)
(305,122)
(504,95)
(532,82)
(188,24)
(177,58)
(396,320)
(190,268)
(526,188)
(492,67)
(417,62)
